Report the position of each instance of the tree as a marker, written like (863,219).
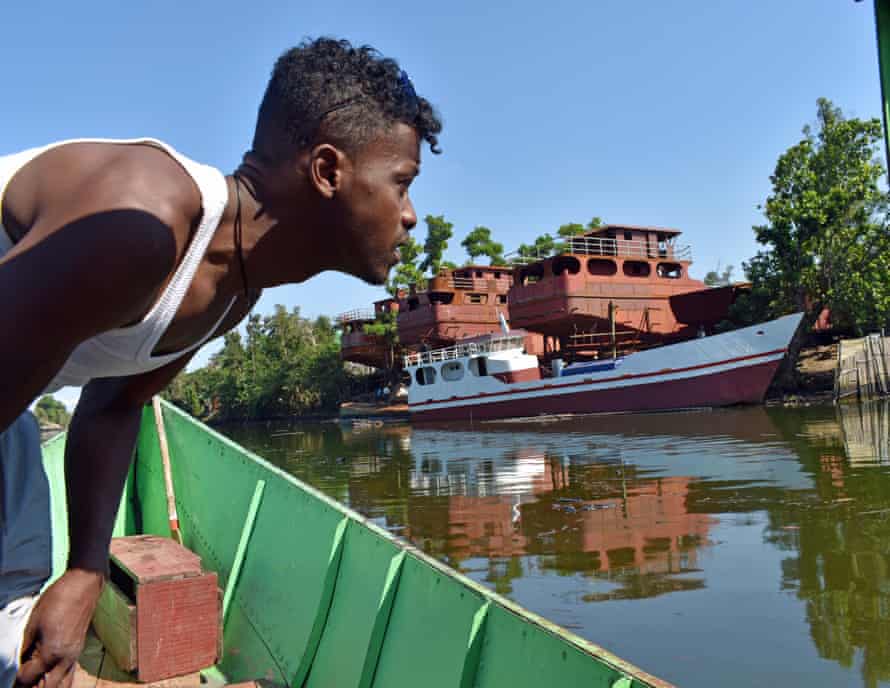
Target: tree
(826,236)
(406,272)
(439,231)
(51,410)
(571,229)
(479,243)
(546,244)
(542,247)
(715,278)
(287,366)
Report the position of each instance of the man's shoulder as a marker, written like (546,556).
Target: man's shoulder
(98,175)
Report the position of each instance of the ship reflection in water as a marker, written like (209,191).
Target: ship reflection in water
(751,544)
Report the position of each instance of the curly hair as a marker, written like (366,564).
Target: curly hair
(326,89)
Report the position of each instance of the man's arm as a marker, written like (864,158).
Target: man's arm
(61,286)
(98,451)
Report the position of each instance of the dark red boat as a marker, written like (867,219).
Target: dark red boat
(458,303)
(628,280)
(356,345)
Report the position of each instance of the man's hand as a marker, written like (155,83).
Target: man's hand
(54,636)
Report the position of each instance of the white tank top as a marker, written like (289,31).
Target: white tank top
(128,350)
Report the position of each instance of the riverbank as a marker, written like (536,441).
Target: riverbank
(813,379)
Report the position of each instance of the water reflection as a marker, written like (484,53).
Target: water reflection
(839,541)
(616,509)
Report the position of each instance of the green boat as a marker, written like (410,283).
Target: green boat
(317,596)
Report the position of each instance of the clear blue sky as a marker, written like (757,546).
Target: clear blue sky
(653,113)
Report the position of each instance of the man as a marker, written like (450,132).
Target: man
(118,259)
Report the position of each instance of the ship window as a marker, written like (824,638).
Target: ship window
(426,375)
(478,273)
(478,366)
(502,298)
(601,266)
(441,296)
(452,371)
(477,298)
(497,274)
(531,274)
(636,268)
(628,236)
(669,270)
(568,264)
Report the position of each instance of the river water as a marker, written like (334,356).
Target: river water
(741,547)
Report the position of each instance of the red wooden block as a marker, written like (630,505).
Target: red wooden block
(177,608)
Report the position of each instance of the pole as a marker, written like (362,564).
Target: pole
(175,533)
(612,309)
(882,29)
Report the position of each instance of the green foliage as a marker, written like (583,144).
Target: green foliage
(479,243)
(571,229)
(439,231)
(826,237)
(288,366)
(542,247)
(51,410)
(385,326)
(547,245)
(406,272)
(715,278)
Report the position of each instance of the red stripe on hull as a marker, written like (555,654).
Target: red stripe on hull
(742,385)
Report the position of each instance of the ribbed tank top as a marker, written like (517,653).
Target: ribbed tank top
(128,350)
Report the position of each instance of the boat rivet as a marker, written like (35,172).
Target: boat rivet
(564,655)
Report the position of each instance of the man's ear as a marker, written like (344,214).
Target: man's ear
(328,166)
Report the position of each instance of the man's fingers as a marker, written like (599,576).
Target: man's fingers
(31,670)
(68,681)
(28,637)
(60,675)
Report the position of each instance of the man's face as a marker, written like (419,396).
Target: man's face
(379,213)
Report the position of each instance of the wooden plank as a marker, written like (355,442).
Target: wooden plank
(149,558)
(115,623)
(85,679)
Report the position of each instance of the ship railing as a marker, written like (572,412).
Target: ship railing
(463,349)
(605,246)
(479,283)
(356,314)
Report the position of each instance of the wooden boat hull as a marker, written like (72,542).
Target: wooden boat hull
(316,595)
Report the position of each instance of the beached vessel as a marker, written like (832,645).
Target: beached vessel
(622,283)
(495,377)
(457,303)
(316,595)
(359,346)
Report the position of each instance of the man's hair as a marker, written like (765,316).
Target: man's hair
(328,90)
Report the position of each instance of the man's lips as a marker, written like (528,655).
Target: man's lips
(397,252)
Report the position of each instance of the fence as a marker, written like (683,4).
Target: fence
(863,368)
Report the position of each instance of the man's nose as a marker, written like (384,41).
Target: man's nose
(409,217)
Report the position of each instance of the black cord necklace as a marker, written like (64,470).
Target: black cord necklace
(239,232)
